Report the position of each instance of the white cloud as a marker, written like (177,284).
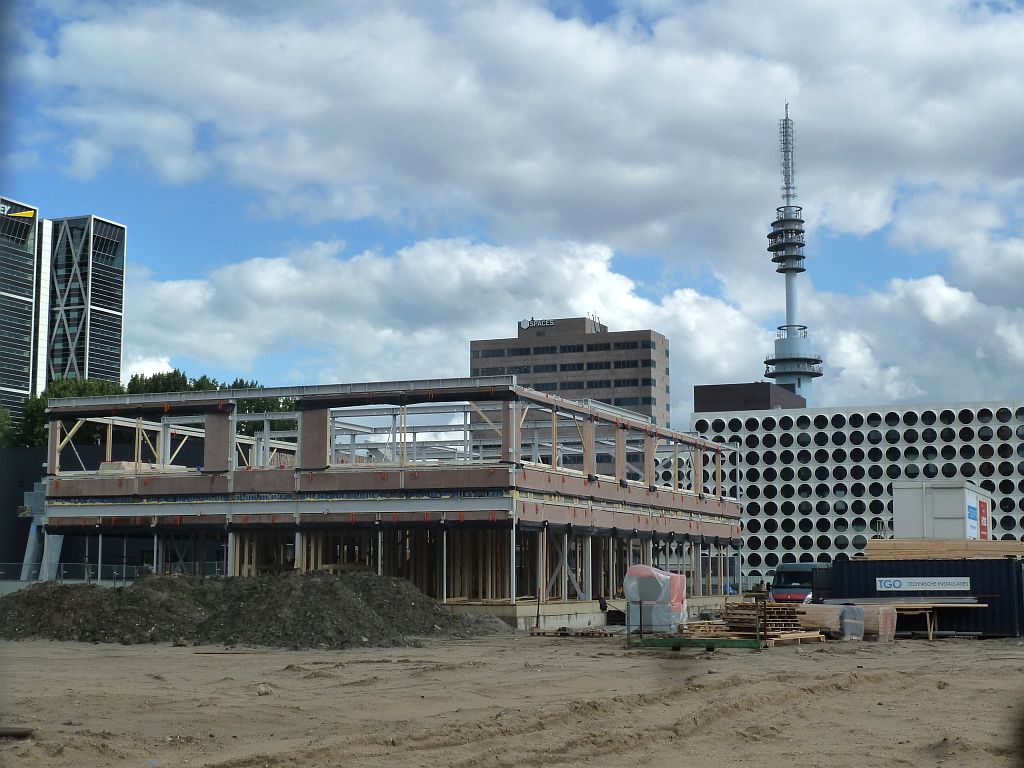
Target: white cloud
(411,314)
(652,131)
(134,363)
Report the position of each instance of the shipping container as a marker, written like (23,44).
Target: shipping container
(941,509)
(997,583)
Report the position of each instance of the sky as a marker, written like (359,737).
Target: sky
(334,192)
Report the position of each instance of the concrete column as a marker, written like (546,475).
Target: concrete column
(620,454)
(314,438)
(698,586)
(165,444)
(589,452)
(299,562)
(33,552)
(232,565)
(719,491)
(698,470)
(380,553)
(510,432)
(649,551)
(588,567)
(51,557)
(444,565)
(650,465)
(611,567)
(53,449)
(542,586)
(218,442)
(99,558)
(721,570)
(512,564)
(565,566)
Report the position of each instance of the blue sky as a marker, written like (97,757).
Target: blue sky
(355,191)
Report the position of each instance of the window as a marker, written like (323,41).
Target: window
(545,350)
(627,382)
(626,345)
(649,345)
(518,351)
(599,384)
(474,354)
(546,386)
(492,353)
(571,367)
(605,347)
(519,369)
(570,348)
(627,401)
(599,365)
(648,364)
(499,371)
(627,364)
(649,400)
(474,372)
(649,383)
(546,368)
(572,385)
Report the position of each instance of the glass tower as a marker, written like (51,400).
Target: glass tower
(86,298)
(18,299)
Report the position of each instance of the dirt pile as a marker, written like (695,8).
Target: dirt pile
(295,610)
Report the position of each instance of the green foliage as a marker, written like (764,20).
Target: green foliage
(32,430)
(6,430)
(178,381)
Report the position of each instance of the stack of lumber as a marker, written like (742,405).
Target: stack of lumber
(772,617)
(705,629)
(940,549)
(777,622)
(879,621)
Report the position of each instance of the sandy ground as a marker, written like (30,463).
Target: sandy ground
(515,701)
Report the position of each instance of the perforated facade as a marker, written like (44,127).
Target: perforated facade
(816,484)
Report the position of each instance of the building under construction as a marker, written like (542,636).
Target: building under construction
(477,490)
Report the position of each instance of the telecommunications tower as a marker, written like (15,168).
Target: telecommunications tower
(793,365)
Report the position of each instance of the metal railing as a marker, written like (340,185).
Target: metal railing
(116,573)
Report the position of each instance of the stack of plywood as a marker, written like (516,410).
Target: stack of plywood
(940,549)
(823,617)
(879,620)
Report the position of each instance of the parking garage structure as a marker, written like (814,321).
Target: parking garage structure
(816,484)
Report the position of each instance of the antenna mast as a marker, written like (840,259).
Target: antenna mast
(793,365)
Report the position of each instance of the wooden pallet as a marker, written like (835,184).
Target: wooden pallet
(571,632)
(794,638)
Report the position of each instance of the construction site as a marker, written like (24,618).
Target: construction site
(478,491)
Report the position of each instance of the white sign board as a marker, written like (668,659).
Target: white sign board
(972,515)
(923,584)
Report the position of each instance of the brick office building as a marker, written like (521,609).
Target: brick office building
(580,359)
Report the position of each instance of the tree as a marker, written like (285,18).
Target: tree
(32,430)
(6,430)
(178,381)
(168,381)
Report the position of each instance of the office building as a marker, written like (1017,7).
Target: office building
(19,293)
(578,358)
(86,304)
(816,483)
(61,300)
